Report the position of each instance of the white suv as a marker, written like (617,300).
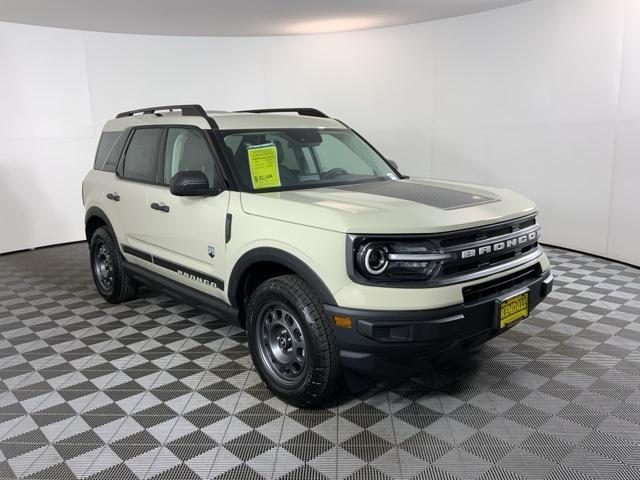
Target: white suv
(288,223)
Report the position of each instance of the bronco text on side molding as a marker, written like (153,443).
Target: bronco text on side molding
(289,224)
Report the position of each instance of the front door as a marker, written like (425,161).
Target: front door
(185,236)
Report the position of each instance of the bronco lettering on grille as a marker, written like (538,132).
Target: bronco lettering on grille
(516,241)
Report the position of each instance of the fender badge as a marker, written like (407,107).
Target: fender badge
(211,251)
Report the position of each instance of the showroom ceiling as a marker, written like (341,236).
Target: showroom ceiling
(235,17)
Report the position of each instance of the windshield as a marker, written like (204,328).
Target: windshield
(290,159)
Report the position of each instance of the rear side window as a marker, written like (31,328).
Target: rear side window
(140,161)
(108,152)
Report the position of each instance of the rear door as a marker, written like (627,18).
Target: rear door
(136,180)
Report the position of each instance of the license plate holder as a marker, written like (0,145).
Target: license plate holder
(512,309)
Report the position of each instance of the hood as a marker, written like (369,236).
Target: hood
(411,205)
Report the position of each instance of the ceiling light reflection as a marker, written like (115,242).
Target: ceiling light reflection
(335,25)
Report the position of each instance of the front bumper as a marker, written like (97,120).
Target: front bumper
(380,344)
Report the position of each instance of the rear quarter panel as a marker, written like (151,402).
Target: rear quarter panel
(95,187)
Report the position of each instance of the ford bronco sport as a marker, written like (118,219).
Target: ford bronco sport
(289,224)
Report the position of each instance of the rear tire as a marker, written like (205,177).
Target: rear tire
(111,280)
(291,341)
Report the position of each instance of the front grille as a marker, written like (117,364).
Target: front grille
(498,285)
(457,242)
(485,233)
(479,263)
(466,254)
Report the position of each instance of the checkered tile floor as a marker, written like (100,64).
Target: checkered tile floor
(154,389)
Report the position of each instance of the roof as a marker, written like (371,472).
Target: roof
(241,120)
(119,124)
(224,120)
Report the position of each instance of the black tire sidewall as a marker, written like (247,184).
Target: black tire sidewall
(304,391)
(101,235)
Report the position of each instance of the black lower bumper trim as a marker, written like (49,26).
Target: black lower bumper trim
(382,343)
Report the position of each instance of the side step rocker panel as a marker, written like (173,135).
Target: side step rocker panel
(185,294)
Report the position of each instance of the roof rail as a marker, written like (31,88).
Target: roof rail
(309,112)
(187,110)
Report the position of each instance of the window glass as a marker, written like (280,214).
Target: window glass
(113,156)
(107,142)
(186,150)
(232,143)
(305,158)
(286,154)
(334,152)
(140,159)
(307,162)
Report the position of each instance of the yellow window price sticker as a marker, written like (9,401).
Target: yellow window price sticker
(263,163)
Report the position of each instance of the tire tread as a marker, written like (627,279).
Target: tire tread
(328,377)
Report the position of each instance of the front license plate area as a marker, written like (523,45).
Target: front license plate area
(513,309)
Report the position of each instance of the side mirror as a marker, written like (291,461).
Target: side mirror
(393,164)
(191,184)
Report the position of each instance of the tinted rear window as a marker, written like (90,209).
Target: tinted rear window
(141,157)
(105,151)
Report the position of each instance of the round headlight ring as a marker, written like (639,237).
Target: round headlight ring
(375,260)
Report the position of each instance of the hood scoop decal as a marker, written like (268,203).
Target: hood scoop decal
(438,197)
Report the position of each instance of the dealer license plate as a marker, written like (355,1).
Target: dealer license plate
(514,309)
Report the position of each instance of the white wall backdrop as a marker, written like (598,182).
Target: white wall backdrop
(543,97)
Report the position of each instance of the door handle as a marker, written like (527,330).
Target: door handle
(113,196)
(160,206)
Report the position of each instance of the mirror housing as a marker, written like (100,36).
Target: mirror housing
(191,184)
(393,164)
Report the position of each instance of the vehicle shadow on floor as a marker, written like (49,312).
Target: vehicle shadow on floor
(451,373)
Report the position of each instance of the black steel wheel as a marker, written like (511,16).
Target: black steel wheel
(111,280)
(103,267)
(282,343)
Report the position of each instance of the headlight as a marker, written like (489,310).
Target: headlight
(382,260)
(373,258)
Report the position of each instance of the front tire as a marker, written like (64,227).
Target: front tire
(111,280)
(291,341)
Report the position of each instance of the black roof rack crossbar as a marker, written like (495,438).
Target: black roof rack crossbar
(187,110)
(309,112)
